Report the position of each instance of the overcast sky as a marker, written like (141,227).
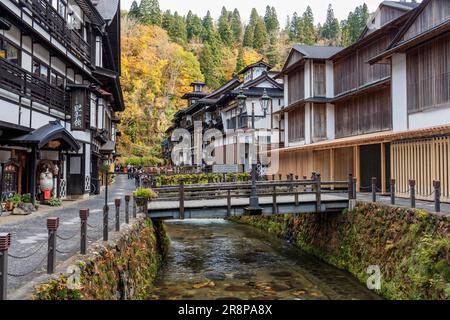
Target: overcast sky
(283,7)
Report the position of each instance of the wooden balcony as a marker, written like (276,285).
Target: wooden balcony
(49,19)
(17,80)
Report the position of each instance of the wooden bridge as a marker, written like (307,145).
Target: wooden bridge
(226,199)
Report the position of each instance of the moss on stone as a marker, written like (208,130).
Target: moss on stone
(412,247)
(125,270)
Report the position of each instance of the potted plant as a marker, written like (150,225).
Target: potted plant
(143,196)
(12,202)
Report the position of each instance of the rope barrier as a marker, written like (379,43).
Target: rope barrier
(20,275)
(68,238)
(29,255)
(63,252)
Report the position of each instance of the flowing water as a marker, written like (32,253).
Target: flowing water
(216,259)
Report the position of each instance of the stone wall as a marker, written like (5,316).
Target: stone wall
(123,268)
(412,247)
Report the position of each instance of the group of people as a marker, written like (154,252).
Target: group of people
(135,173)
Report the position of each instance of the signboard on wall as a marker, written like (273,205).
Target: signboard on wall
(226,168)
(78,109)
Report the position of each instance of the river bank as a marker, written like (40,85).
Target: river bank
(411,247)
(124,268)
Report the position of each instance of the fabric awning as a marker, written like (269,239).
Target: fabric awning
(108,147)
(52,136)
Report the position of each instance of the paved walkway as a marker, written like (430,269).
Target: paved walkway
(30,235)
(403,202)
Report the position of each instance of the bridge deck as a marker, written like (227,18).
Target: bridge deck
(218,208)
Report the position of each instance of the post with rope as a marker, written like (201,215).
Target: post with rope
(318,193)
(117,204)
(105,222)
(437,196)
(5,243)
(127,208)
(393,191)
(84,215)
(374,189)
(134,208)
(412,189)
(52,226)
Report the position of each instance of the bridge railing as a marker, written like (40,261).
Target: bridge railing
(242,190)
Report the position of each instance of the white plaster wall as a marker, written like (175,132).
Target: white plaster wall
(9,112)
(329,79)
(431,118)
(41,53)
(58,65)
(38,120)
(27,43)
(330,122)
(308,115)
(27,62)
(286,89)
(13,35)
(399,93)
(308,68)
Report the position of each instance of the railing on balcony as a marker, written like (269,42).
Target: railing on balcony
(19,81)
(49,19)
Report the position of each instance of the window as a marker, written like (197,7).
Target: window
(57,80)
(62,8)
(319,80)
(9,52)
(98,52)
(40,70)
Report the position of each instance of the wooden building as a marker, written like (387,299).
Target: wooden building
(225,126)
(373,114)
(59,82)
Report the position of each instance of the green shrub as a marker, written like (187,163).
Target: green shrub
(55,202)
(15,199)
(26,198)
(202,178)
(145,193)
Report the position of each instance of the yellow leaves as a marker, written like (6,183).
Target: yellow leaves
(155,74)
(251,56)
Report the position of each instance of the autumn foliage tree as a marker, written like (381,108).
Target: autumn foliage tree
(156,72)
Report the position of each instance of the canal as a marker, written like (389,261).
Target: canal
(217,259)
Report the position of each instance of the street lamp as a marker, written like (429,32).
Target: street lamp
(254,208)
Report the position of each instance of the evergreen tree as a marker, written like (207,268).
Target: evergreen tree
(194,27)
(271,20)
(134,10)
(236,25)
(240,63)
(177,31)
(355,24)
(330,29)
(248,36)
(225,33)
(209,30)
(167,21)
(150,12)
(272,51)
(210,64)
(307,30)
(260,35)
(254,18)
(294,28)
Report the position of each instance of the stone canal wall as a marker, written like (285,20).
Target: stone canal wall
(411,247)
(123,268)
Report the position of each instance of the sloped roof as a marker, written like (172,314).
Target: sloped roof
(401,5)
(263,77)
(107,8)
(317,52)
(42,136)
(260,63)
